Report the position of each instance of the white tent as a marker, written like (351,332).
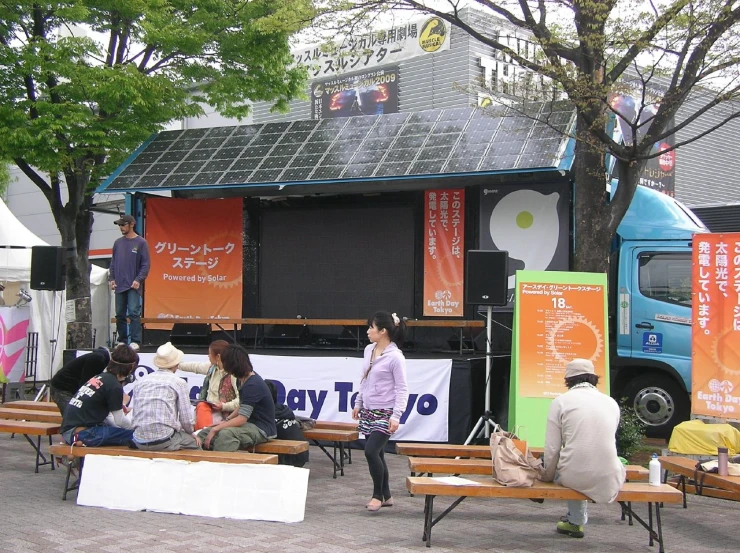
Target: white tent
(47,308)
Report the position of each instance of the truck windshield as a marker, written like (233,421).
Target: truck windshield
(666,277)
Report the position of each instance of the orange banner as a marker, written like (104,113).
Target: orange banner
(444,241)
(196,259)
(562,317)
(715,331)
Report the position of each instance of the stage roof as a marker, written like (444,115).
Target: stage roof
(432,144)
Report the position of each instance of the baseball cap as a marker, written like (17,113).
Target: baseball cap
(125,219)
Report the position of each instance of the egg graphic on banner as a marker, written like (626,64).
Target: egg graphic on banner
(525,223)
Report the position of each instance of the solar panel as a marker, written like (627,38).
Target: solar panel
(457,140)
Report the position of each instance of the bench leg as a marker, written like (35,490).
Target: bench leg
(654,536)
(329,455)
(428,512)
(660,527)
(682,481)
(341,455)
(650,522)
(39,454)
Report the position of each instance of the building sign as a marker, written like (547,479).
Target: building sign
(444,241)
(531,223)
(196,259)
(419,37)
(715,336)
(367,93)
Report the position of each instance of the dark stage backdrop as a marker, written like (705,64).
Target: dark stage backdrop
(336,262)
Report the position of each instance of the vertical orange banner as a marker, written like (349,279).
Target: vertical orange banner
(715,332)
(444,240)
(196,259)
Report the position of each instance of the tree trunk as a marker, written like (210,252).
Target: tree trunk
(74,227)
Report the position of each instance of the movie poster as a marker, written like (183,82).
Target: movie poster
(368,93)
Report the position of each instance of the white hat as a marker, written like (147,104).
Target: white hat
(578,367)
(167,356)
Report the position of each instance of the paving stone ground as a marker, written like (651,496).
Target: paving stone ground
(33,518)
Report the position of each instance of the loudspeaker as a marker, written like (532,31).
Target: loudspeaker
(487,277)
(47,268)
(287,335)
(187,334)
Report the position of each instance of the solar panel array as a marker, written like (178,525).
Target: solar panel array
(458,140)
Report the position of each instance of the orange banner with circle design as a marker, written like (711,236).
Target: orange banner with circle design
(196,259)
(715,330)
(444,252)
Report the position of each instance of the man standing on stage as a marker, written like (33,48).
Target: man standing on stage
(128,269)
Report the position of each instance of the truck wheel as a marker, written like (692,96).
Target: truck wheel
(658,402)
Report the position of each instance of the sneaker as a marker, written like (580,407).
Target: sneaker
(134,346)
(570,529)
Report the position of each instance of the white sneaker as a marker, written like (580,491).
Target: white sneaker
(134,346)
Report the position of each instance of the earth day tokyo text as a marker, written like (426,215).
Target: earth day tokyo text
(301,400)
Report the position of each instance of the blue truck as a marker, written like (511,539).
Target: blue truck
(650,310)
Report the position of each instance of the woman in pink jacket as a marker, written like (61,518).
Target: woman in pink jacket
(382,398)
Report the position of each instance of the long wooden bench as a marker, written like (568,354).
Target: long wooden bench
(451,450)
(30,415)
(282,447)
(631,492)
(483,467)
(31,428)
(33,405)
(192,455)
(339,439)
(685,468)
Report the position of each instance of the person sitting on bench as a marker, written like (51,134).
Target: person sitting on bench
(288,428)
(74,374)
(254,422)
(83,422)
(580,444)
(163,416)
(219,396)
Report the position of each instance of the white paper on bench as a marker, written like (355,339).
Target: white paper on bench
(456,481)
(238,491)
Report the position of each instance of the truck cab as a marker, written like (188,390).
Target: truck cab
(650,310)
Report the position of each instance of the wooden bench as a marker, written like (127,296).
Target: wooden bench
(704,482)
(339,438)
(631,492)
(33,405)
(282,447)
(28,429)
(483,467)
(30,415)
(451,450)
(192,455)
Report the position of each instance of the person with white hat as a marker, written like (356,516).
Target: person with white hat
(163,416)
(580,444)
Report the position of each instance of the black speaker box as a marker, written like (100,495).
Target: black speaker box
(287,335)
(487,277)
(47,268)
(188,334)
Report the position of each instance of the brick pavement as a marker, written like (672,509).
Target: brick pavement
(33,518)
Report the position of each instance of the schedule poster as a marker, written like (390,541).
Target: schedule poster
(558,317)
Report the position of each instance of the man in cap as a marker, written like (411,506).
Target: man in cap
(128,269)
(163,415)
(74,374)
(580,444)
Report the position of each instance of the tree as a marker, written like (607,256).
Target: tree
(73,107)
(669,51)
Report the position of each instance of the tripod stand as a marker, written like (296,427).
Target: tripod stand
(45,392)
(486,419)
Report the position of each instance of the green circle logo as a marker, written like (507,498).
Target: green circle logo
(524,219)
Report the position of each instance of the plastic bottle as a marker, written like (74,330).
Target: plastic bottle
(722,461)
(654,467)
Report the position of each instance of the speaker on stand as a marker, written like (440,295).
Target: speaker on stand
(486,283)
(48,274)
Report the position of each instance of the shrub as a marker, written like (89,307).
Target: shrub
(630,432)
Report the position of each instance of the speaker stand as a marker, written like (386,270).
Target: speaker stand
(485,422)
(45,391)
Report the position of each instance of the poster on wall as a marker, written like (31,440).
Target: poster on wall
(14,323)
(531,223)
(715,331)
(444,247)
(196,259)
(559,316)
(418,37)
(368,93)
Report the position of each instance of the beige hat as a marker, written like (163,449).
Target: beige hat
(578,367)
(167,356)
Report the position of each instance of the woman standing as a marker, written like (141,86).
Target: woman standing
(219,394)
(382,398)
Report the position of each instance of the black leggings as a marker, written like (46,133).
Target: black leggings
(375,455)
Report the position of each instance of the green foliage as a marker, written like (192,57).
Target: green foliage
(630,432)
(4,177)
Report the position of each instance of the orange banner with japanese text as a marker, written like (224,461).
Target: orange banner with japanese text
(444,245)
(715,331)
(196,259)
